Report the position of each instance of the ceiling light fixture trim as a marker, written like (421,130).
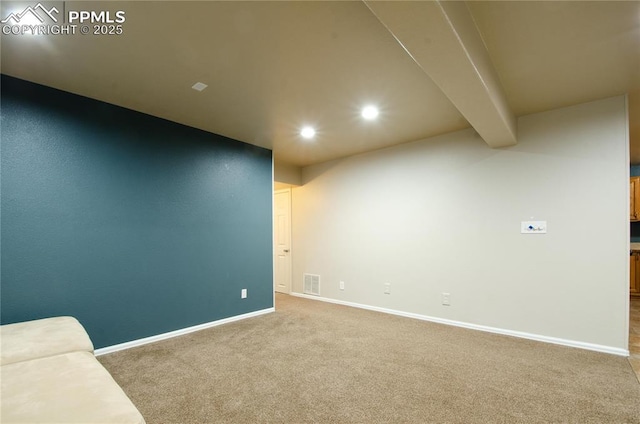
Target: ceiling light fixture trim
(370,112)
(308,132)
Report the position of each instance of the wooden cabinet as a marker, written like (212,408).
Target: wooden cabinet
(634,199)
(634,273)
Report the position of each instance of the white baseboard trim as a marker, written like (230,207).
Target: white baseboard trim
(181,332)
(520,334)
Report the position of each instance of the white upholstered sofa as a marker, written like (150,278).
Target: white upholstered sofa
(49,374)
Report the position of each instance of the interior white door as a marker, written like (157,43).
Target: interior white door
(282,238)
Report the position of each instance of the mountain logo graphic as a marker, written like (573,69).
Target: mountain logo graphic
(33,13)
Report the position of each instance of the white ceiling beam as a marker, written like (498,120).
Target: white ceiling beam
(442,38)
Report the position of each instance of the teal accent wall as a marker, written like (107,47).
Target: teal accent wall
(133,224)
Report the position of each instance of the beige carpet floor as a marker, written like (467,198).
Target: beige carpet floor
(313,362)
(634,334)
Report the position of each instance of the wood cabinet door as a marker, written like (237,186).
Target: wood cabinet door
(634,274)
(633,284)
(633,188)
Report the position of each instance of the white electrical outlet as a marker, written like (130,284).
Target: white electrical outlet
(446,299)
(243,294)
(341,285)
(533,227)
(387,288)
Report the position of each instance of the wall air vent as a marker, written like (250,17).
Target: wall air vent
(311,284)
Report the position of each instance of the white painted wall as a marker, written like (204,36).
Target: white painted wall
(443,215)
(287,174)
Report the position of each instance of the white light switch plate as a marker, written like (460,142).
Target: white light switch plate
(533,227)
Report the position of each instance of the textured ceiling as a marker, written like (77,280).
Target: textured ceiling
(272,67)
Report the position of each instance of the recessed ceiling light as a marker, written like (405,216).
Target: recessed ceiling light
(199,86)
(370,113)
(308,132)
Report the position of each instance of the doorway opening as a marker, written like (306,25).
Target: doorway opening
(282,240)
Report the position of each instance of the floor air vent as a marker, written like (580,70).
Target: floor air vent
(311,284)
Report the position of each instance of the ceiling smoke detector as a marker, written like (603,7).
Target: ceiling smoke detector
(199,86)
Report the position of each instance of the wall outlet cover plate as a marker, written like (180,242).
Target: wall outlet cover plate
(533,227)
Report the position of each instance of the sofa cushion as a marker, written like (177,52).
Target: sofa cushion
(68,388)
(41,338)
